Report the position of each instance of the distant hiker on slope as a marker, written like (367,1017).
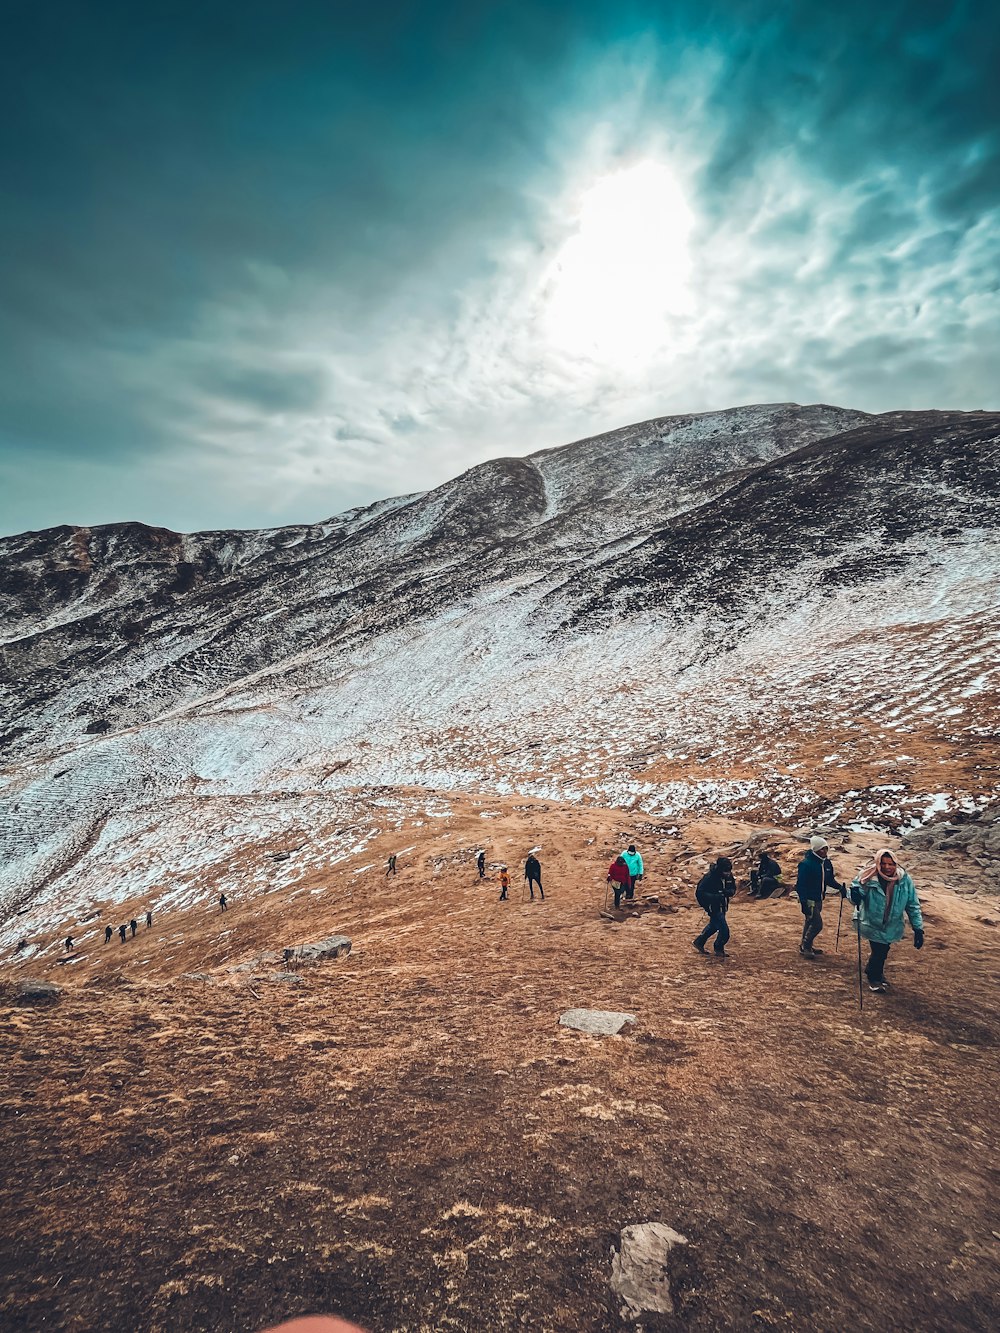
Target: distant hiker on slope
(634,862)
(108,932)
(618,878)
(69,943)
(504,884)
(882,893)
(391,866)
(481,865)
(122,932)
(766,878)
(533,874)
(133,926)
(149,919)
(815,876)
(713,893)
(222,901)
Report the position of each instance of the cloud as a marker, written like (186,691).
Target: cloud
(258,271)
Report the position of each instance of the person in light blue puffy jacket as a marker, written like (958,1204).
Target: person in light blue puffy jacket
(634,862)
(883,894)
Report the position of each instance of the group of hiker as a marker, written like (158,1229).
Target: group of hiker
(123,930)
(532,876)
(881,893)
(133,925)
(624,873)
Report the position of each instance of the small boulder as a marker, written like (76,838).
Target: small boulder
(640,1269)
(33,991)
(600,1022)
(290,978)
(332,947)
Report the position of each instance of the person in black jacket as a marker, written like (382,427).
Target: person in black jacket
(766,878)
(481,865)
(713,893)
(533,874)
(815,876)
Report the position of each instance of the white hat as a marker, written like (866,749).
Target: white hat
(816,843)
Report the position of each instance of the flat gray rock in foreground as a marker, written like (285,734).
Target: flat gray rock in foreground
(640,1274)
(602,1022)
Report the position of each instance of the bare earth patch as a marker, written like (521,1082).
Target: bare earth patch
(408,1137)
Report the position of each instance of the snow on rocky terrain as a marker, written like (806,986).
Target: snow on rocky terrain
(777,612)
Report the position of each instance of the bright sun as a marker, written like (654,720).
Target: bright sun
(612,285)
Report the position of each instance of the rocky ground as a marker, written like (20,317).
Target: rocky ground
(407,1136)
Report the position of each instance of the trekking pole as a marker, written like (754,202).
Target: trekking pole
(840,916)
(607,890)
(861,989)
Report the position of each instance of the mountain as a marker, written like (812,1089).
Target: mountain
(778,611)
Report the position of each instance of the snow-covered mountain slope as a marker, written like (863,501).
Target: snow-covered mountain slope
(778,611)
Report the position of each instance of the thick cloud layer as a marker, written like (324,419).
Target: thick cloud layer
(260,262)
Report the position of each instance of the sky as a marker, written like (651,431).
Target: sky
(262,262)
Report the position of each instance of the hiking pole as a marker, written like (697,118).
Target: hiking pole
(861,989)
(607,890)
(840,917)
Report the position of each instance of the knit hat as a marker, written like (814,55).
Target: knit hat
(723,865)
(816,843)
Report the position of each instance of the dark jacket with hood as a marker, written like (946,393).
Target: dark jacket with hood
(715,889)
(815,876)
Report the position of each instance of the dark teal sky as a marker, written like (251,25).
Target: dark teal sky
(260,262)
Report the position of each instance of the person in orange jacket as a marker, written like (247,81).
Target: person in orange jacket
(504,883)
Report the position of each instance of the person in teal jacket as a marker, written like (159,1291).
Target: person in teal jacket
(634,862)
(882,895)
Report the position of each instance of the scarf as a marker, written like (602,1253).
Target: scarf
(888,885)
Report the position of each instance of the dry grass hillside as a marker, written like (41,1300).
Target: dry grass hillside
(407,1136)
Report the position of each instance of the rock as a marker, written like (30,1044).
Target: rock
(640,1274)
(31,991)
(315,953)
(986,920)
(601,1022)
(292,978)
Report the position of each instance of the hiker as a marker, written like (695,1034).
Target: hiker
(504,884)
(634,862)
(108,932)
(222,901)
(133,926)
(391,867)
(618,877)
(766,878)
(533,874)
(122,932)
(882,894)
(815,876)
(481,865)
(21,944)
(713,894)
(149,919)
(69,943)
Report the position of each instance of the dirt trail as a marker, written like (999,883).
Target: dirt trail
(407,1135)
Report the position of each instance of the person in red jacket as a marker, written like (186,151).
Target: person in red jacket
(618,878)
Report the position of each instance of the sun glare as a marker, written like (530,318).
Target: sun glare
(613,285)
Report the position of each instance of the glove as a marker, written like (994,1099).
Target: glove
(918,939)
(842,889)
(855,896)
